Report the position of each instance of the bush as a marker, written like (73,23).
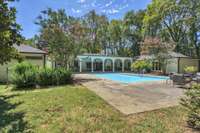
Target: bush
(57,76)
(190,69)
(192,103)
(45,77)
(61,76)
(24,75)
(141,65)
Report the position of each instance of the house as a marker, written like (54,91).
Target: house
(176,63)
(29,54)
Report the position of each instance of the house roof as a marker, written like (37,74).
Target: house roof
(28,49)
(177,55)
(171,55)
(145,57)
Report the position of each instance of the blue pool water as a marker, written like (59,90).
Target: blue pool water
(125,78)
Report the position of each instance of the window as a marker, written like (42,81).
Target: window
(156,66)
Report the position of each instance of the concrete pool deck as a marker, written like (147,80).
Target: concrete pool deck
(135,97)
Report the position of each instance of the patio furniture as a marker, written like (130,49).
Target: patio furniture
(181,79)
(170,78)
(197,78)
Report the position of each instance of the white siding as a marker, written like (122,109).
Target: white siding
(172,65)
(38,61)
(185,62)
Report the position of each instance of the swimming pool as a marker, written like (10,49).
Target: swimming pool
(132,78)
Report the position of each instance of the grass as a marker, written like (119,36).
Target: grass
(76,109)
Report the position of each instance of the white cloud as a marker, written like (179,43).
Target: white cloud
(112,11)
(75,11)
(81,1)
(123,7)
(109,4)
(104,11)
(94,3)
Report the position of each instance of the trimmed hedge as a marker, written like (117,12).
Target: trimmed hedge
(26,75)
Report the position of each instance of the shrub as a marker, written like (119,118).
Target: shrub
(28,75)
(24,75)
(45,77)
(141,65)
(57,76)
(192,103)
(190,69)
(61,76)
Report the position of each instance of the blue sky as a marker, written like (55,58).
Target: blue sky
(28,10)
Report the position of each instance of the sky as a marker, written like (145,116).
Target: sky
(29,10)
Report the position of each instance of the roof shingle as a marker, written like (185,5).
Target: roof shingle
(28,49)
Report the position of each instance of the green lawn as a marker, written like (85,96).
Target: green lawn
(76,109)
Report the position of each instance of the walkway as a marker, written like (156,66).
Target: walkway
(132,98)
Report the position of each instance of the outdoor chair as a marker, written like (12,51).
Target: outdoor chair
(197,78)
(179,79)
(170,78)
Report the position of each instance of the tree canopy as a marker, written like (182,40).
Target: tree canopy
(174,21)
(65,36)
(9,32)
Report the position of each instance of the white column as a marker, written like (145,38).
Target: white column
(92,65)
(80,65)
(103,65)
(122,65)
(113,65)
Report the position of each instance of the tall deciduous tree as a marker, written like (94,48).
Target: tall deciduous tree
(192,21)
(176,20)
(133,22)
(60,35)
(9,32)
(115,35)
(164,18)
(95,24)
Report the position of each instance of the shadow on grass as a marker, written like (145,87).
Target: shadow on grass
(9,120)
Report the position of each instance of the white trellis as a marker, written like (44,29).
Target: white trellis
(91,58)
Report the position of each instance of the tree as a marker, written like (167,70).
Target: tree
(32,41)
(165,19)
(192,21)
(9,32)
(133,22)
(60,36)
(115,36)
(175,20)
(95,24)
